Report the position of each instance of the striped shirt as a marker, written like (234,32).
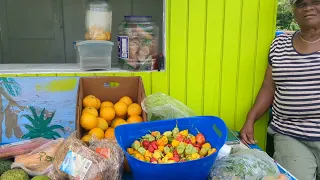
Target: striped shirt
(296,105)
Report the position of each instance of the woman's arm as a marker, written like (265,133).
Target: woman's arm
(262,104)
(264,99)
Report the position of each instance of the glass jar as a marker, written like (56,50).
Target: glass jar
(138,43)
(98,20)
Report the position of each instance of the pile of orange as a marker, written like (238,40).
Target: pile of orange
(101,118)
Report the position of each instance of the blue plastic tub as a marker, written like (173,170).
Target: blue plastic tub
(213,128)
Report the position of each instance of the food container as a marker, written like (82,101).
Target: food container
(213,128)
(138,40)
(94,55)
(98,20)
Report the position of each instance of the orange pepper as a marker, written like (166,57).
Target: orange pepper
(130,151)
(162,141)
(206,145)
(161,148)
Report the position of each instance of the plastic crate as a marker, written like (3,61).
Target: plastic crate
(94,55)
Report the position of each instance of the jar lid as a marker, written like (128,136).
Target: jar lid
(138,18)
(94,42)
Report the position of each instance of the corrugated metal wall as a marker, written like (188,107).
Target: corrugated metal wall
(216,57)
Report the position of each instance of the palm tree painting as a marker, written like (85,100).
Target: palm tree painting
(40,125)
(9,88)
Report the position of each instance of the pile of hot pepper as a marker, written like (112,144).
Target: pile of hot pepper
(170,147)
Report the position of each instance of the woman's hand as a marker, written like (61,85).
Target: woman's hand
(247,133)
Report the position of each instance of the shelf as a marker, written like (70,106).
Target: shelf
(53,70)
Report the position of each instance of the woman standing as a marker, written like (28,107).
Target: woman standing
(292,87)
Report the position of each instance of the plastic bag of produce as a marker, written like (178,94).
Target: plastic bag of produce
(39,161)
(161,106)
(246,164)
(113,154)
(74,160)
(22,147)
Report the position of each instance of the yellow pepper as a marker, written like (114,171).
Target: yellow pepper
(169,155)
(165,160)
(130,151)
(195,156)
(170,161)
(162,141)
(140,157)
(211,151)
(161,148)
(175,143)
(184,133)
(147,159)
(160,161)
(206,145)
(148,154)
(135,152)
(193,139)
(157,154)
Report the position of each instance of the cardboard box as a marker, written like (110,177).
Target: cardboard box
(109,89)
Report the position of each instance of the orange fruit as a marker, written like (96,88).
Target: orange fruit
(106,104)
(134,119)
(121,109)
(109,133)
(90,101)
(107,113)
(134,109)
(91,110)
(126,99)
(98,103)
(88,121)
(97,132)
(102,123)
(117,122)
(86,138)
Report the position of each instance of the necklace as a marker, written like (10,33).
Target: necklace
(309,42)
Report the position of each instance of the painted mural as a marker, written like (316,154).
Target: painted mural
(37,107)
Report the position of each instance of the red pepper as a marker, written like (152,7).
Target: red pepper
(197,145)
(153,160)
(188,141)
(151,149)
(200,138)
(154,145)
(176,156)
(169,145)
(145,144)
(175,152)
(182,160)
(175,159)
(180,138)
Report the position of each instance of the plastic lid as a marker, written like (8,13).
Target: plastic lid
(138,18)
(94,42)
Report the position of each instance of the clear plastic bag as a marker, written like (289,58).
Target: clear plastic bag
(161,106)
(113,154)
(38,161)
(75,161)
(247,164)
